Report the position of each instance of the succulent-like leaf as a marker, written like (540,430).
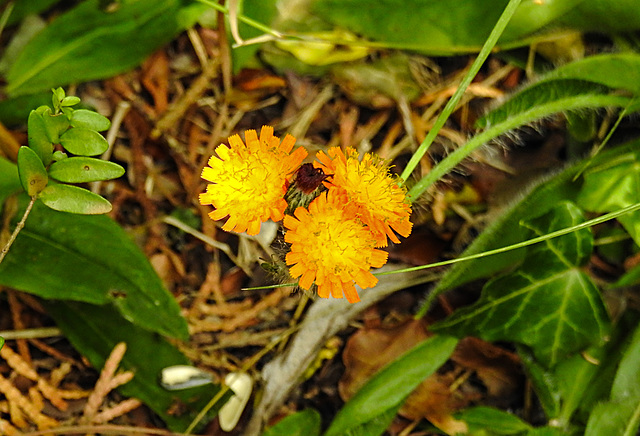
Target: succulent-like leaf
(84,169)
(84,142)
(66,198)
(33,175)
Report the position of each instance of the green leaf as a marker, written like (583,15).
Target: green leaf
(39,137)
(621,415)
(72,199)
(448,27)
(70,100)
(84,169)
(88,43)
(612,185)
(89,120)
(84,142)
(539,94)
(383,395)
(95,330)
(494,420)
(304,423)
(613,16)
(9,179)
(13,111)
(616,71)
(33,174)
(506,229)
(548,303)
(91,259)
(56,125)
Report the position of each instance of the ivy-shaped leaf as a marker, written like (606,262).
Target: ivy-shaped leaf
(612,185)
(548,303)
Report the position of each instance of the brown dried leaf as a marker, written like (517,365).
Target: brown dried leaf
(369,349)
(499,369)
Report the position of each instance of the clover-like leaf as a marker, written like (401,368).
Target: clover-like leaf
(84,142)
(89,120)
(33,175)
(73,199)
(84,169)
(548,304)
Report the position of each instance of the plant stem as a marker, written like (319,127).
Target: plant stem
(455,98)
(534,113)
(19,227)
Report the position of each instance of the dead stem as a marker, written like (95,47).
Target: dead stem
(19,227)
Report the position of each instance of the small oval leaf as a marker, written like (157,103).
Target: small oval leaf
(90,120)
(84,142)
(38,137)
(56,125)
(72,199)
(33,175)
(70,100)
(84,169)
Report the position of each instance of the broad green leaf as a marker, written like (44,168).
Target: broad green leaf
(72,199)
(621,415)
(91,259)
(548,303)
(613,16)
(448,27)
(39,137)
(1,342)
(546,431)
(304,423)
(89,120)
(84,142)
(496,421)
(506,229)
(88,43)
(95,330)
(13,111)
(23,9)
(386,391)
(9,179)
(612,185)
(33,174)
(84,169)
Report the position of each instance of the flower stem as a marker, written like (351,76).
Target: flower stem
(19,227)
(455,98)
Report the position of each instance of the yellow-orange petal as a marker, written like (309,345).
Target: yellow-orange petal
(249,180)
(329,248)
(374,195)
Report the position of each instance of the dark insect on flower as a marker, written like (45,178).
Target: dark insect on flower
(308,178)
(305,187)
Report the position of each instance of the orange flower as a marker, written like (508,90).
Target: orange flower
(331,249)
(374,194)
(248,182)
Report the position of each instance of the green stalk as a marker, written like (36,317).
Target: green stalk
(455,98)
(535,113)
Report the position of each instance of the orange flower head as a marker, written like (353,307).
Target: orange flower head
(374,194)
(331,249)
(248,182)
